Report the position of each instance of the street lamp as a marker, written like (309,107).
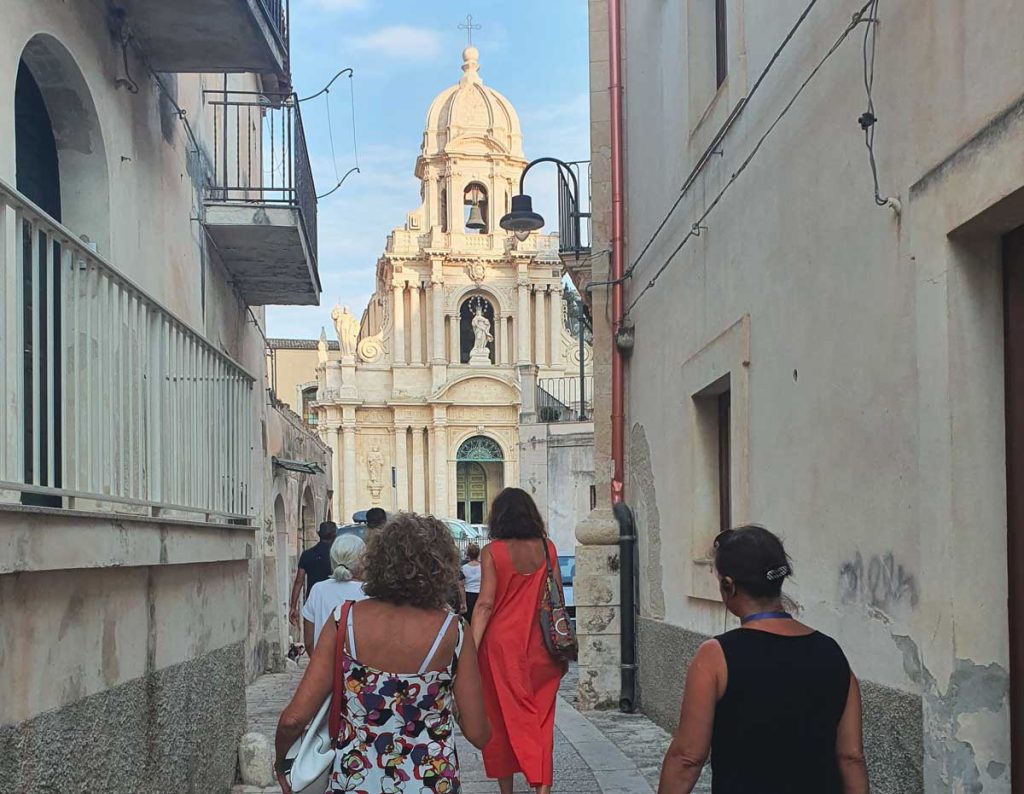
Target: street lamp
(522,219)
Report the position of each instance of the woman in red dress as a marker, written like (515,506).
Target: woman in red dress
(520,677)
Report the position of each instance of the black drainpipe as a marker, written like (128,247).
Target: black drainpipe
(627,601)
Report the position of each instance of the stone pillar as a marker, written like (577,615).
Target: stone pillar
(528,389)
(541,339)
(439,448)
(437,324)
(523,319)
(402,470)
(419,471)
(334,442)
(455,343)
(508,474)
(348,443)
(499,341)
(415,326)
(398,331)
(555,327)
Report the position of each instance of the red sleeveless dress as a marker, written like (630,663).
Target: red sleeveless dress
(520,678)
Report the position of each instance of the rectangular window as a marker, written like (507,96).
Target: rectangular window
(721,43)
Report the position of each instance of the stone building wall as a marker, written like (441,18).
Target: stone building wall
(862,349)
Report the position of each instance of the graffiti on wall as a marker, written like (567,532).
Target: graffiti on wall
(879,582)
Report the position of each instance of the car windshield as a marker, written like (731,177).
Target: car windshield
(353,529)
(459,529)
(568,566)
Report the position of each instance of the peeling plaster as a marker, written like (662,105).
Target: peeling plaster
(648,521)
(951,762)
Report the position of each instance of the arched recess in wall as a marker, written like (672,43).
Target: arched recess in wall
(47,71)
(472,308)
(281,552)
(308,518)
(479,471)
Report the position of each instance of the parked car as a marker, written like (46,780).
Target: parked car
(358,530)
(567,565)
(482,530)
(460,529)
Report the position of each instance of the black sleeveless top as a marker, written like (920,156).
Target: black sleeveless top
(775,727)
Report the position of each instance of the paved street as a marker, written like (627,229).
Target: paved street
(595,753)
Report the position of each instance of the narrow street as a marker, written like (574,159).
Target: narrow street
(595,752)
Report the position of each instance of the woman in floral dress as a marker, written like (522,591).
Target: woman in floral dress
(402,650)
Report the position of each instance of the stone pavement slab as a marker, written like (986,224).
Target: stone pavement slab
(595,752)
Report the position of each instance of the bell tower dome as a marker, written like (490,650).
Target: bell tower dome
(471,156)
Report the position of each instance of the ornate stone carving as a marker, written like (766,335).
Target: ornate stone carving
(477,271)
(373,348)
(321,346)
(480,354)
(375,471)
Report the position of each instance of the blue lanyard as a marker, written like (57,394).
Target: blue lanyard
(765,616)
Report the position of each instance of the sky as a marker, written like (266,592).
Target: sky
(404,53)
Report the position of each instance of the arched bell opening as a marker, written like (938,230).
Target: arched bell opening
(475,206)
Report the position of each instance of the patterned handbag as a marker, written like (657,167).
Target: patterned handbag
(555,622)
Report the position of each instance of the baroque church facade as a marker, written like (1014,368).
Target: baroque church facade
(422,398)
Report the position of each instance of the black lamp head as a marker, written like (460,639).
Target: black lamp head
(522,219)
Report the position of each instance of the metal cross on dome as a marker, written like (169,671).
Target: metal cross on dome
(469,27)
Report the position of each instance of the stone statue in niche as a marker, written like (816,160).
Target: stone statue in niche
(321,346)
(481,337)
(375,463)
(375,468)
(347,328)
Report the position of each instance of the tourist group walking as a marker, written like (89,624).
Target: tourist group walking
(393,669)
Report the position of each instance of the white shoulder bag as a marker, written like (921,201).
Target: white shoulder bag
(309,762)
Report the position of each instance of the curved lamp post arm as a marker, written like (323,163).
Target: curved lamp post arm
(561,164)
(327,87)
(340,183)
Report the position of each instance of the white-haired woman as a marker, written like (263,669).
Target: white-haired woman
(344,585)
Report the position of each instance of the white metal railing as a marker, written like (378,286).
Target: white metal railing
(110,398)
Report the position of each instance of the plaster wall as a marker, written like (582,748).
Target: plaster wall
(866,346)
(556,467)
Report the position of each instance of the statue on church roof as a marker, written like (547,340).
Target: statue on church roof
(321,346)
(347,327)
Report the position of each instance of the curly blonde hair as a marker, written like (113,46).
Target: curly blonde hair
(411,561)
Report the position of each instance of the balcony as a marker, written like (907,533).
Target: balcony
(260,207)
(574,225)
(112,402)
(211,35)
(565,399)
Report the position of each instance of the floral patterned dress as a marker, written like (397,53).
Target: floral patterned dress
(397,730)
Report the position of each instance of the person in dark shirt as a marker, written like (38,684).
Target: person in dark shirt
(773,702)
(376,518)
(314,566)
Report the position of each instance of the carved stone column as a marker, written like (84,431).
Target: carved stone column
(523,317)
(419,471)
(555,327)
(398,331)
(540,338)
(401,467)
(348,443)
(439,449)
(437,314)
(415,325)
(456,342)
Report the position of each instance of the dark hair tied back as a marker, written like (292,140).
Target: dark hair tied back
(754,559)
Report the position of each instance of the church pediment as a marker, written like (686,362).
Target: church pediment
(477,389)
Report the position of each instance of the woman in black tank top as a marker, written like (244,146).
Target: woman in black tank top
(774,702)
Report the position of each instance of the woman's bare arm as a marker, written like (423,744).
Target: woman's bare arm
(692,741)
(850,744)
(485,602)
(307,635)
(469,697)
(313,689)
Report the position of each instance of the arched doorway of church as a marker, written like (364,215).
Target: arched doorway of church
(479,477)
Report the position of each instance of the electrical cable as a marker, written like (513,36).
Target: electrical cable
(695,228)
(746,100)
(326,91)
(868,119)
(127,81)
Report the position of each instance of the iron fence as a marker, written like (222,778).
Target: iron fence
(565,399)
(260,154)
(276,14)
(574,211)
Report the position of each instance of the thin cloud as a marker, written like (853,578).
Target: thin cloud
(401,41)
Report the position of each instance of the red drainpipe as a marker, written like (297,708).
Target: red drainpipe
(617,243)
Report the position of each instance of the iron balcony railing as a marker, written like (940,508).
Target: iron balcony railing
(276,14)
(565,399)
(574,211)
(111,401)
(260,154)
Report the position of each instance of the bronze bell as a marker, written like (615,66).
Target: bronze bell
(476,218)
